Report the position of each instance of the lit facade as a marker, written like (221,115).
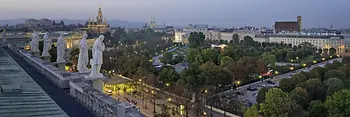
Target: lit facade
(97,26)
(319,41)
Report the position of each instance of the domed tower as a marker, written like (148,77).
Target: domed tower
(299,23)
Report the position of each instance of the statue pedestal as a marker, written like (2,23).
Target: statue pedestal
(35,53)
(61,65)
(46,58)
(97,83)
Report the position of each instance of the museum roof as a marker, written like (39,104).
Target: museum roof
(20,95)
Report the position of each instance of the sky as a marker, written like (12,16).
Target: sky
(222,13)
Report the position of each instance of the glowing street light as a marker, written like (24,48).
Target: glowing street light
(140,80)
(323,59)
(276,72)
(260,76)
(291,68)
(304,64)
(169,99)
(291,60)
(167,84)
(206,91)
(297,58)
(330,56)
(315,61)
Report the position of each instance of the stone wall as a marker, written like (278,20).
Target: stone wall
(81,89)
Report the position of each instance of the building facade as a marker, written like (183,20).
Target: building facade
(289,26)
(97,26)
(319,41)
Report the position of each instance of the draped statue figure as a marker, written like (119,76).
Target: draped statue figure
(34,43)
(4,36)
(61,47)
(47,45)
(96,61)
(83,59)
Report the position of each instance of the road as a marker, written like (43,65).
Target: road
(156,59)
(250,96)
(71,106)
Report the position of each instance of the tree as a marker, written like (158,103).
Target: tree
(335,65)
(300,96)
(269,58)
(299,78)
(168,75)
(288,84)
(235,38)
(335,74)
(249,41)
(321,71)
(261,67)
(260,98)
(345,70)
(226,61)
(191,55)
(252,112)
(334,85)
(338,104)
(210,54)
(317,109)
(315,88)
(278,104)
(167,57)
(332,51)
(196,39)
(215,75)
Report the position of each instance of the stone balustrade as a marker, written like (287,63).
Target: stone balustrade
(81,89)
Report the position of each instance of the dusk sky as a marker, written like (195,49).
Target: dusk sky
(315,13)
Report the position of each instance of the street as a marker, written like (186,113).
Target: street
(250,96)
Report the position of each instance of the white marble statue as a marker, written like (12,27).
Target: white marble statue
(96,61)
(83,59)
(34,43)
(3,36)
(47,45)
(61,47)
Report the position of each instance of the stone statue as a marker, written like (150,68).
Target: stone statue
(4,36)
(34,43)
(47,45)
(61,47)
(83,55)
(96,61)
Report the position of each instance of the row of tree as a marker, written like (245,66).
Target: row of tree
(322,92)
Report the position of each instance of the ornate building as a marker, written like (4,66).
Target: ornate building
(99,26)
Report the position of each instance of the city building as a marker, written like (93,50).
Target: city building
(289,26)
(159,28)
(319,41)
(99,25)
(181,36)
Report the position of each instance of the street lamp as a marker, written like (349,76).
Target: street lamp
(323,59)
(304,64)
(315,61)
(291,68)
(167,84)
(276,72)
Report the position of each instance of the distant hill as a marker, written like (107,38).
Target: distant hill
(113,23)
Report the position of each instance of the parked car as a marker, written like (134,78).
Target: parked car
(270,82)
(252,88)
(239,93)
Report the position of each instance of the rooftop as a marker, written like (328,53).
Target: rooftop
(27,98)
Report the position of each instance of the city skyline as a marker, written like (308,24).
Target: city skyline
(226,13)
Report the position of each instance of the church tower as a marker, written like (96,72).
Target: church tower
(299,23)
(152,24)
(99,16)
